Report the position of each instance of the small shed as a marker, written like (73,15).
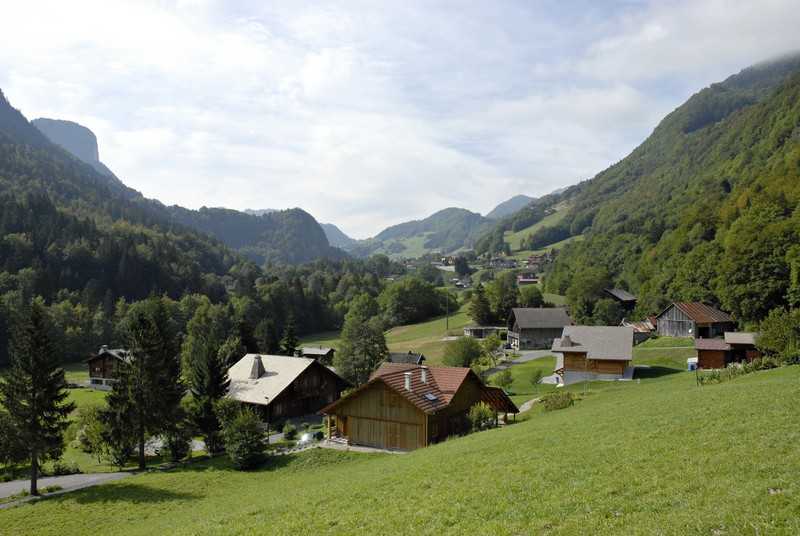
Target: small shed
(481,332)
(321,353)
(733,347)
(626,300)
(695,319)
(407,358)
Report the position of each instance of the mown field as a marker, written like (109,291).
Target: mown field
(514,239)
(660,456)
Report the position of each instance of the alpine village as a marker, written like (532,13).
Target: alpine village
(617,356)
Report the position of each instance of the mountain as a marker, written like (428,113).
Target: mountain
(259,212)
(75,139)
(446,231)
(706,208)
(335,236)
(510,206)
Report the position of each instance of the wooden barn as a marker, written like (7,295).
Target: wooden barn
(625,299)
(104,366)
(535,327)
(735,347)
(695,319)
(406,407)
(282,387)
(407,358)
(594,353)
(321,353)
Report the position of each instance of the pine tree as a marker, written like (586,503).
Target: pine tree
(147,397)
(33,391)
(479,309)
(363,345)
(289,341)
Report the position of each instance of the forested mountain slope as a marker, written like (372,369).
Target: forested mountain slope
(510,206)
(706,208)
(445,231)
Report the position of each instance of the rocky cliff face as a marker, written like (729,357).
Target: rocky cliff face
(75,139)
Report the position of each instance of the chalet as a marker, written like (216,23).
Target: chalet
(594,353)
(104,366)
(642,329)
(321,353)
(408,358)
(625,299)
(481,332)
(532,328)
(409,406)
(527,279)
(735,347)
(281,387)
(695,319)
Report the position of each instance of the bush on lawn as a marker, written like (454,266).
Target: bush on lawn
(243,436)
(178,442)
(558,400)
(61,468)
(481,416)
(88,426)
(289,431)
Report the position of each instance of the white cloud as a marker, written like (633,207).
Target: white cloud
(364,114)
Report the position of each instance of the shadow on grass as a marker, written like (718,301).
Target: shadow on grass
(654,371)
(129,492)
(223,463)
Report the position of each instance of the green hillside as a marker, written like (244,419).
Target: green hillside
(660,457)
(705,208)
(514,239)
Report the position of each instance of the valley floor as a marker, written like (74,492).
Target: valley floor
(660,456)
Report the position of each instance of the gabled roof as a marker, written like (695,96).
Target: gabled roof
(620,294)
(700,312)
(408,358)
(436,393)
(741,337)
(120,354)
(315,350)
(541,317)
(639,326)
(711,344)
(597,342)
(275,373)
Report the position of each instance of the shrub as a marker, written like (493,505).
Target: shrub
(536,377)
(243,436)
(89,426)
(178,442)
(462,352)
(481,416)
(503,379)
(558,400)
(65,468)
(289,431)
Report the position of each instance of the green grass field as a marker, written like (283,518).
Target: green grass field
(425,337)
(667,342)
(660,456)
(514,239)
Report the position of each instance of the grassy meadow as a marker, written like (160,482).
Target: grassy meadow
(660,456)
(514,239)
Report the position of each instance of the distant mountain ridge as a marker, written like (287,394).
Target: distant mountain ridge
(336,237)
(510,206)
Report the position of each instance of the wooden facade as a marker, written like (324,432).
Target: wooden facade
(316,387)
(675,322)
(712,359)
(104,367)
(577,362)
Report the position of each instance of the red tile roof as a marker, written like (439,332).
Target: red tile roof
(702,313)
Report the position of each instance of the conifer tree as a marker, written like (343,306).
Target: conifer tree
(33,391)
(479,309)
(289,341)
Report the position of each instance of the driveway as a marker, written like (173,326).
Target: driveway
(66,482)
(525,356)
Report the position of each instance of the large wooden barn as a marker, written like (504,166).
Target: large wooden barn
(594,353)
(535,327)
(281,387)
(695,319)
(408,406)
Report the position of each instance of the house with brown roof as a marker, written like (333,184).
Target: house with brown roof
(594,353)
(694,319)
(408,406)
(735,347)
(280,387)
(532,328)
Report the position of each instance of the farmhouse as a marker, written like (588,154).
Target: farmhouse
(594,353)
(733,348)
(531,328)
(281,387)
(409,406)
(408,358)
(625,299)
(527,279)
(104,366)
(321,353)
(695,319)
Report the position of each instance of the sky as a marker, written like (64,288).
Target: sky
(368,114)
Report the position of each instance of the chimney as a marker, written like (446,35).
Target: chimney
(566,341)
(423,374)
(408,380)
(258,368)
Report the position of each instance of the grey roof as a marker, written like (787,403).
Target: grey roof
(119,353)
(740,337)
(315,350)
(409,358)
(541,317)
(620,294)
(597,342)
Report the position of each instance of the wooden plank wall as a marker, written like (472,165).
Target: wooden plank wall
(674,323)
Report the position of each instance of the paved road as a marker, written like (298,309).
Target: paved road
(67,482)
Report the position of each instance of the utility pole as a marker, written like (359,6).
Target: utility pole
(447,312)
